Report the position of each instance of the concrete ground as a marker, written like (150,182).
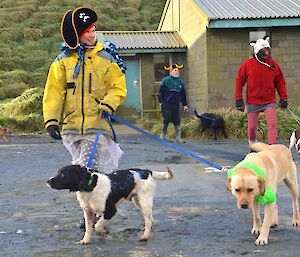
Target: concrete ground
(194,214)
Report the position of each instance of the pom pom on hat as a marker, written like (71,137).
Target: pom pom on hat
(260,44)
(74,23)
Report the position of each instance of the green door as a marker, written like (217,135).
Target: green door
(133,98)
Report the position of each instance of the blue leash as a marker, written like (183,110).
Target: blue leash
(166,143)
(114,137)
(91,157)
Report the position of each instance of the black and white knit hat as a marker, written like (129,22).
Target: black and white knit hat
(74,23)
(260,44)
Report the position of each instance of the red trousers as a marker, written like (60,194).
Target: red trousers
(270,115)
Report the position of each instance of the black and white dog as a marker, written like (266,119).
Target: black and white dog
(295,140)
(212,121)
(99,194)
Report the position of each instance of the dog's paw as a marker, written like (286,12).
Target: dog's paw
(255,230)
(84,241)
(102,230)
(143,239)
(274,225)
(296,222)
(261,241)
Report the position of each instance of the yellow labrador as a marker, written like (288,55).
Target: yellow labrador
(254,181)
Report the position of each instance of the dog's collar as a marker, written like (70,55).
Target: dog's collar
(269,196)
(89,184)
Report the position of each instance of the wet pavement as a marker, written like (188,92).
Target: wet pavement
(194,214)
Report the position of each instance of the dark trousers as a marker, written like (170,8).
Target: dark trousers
(170,113)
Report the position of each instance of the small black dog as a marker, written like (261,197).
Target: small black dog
(212,121)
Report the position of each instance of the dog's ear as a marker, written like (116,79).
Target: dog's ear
(262,186)
(228,184)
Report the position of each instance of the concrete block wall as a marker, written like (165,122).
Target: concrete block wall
(285,43)
(215,55)
(193,31)
(226,50)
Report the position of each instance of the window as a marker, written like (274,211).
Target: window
(160,60)
(254,35)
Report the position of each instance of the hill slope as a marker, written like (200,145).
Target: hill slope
(30,40)
(30,34)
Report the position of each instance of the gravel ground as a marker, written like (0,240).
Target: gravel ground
(194,214)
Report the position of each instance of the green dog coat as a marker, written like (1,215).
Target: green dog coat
(269,196)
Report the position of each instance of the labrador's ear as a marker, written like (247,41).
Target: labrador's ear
(228,184)
(262,186)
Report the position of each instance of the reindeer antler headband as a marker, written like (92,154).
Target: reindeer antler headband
(170,68)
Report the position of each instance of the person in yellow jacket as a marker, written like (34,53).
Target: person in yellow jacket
(82,81)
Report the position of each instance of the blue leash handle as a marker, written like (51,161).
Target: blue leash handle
(166,143)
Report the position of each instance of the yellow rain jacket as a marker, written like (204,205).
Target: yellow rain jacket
(76,103)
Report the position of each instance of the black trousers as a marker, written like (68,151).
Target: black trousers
(170,113)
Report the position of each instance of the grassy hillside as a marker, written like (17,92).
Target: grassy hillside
(30,37)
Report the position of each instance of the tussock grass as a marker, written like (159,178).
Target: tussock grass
(235,123)
(23,112)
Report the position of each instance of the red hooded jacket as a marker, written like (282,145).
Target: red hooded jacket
(261,82)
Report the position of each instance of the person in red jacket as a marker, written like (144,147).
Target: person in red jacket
(263,77)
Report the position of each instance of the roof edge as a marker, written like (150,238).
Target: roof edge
(253,23)
(162,18)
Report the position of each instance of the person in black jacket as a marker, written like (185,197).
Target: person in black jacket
(171,93)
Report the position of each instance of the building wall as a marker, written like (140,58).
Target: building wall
(193,31)
(228,48)
(285,43)
(215,55)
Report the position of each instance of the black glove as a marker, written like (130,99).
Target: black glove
(106,108)
(283,103)
(240,105)
(53,131)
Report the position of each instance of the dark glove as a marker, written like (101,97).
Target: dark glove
(106,108)
(283,103)
(53,131)
(240,105)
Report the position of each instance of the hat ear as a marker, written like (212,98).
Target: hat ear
(267,38)
(252,43)
(168,68)
(178,66)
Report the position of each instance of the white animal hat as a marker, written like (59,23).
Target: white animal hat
(260,44)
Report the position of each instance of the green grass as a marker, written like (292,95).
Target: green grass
(23,113)
(235,123)
(30,40)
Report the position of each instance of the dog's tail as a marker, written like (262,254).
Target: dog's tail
(293,140)
(163,175)
(197,114)
(258,147)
